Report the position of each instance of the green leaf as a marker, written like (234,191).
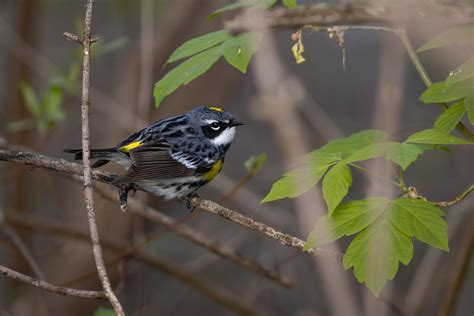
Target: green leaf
(420,219)
(376,252)
(370,151)
(198,44)
(344,147)
(255,163)
(29,96)
(449,119)
(300,180)
(290,4)
(238,50)
(104,311)
(469,106)
(435,137)
(70,81)
(347,219)
(228,7)
(455,36)
(403,154)
(51,104)
(185,73)
(443,92)
(336,185)
(463,72)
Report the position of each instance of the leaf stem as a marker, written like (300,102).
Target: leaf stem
(375,174)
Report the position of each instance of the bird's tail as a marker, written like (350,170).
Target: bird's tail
(99,157)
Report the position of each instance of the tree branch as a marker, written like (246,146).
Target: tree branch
(326,14)
(457,199)
(66,167)
(51,287)
(88,193)
(11,234)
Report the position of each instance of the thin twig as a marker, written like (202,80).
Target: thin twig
(456,200)
(11,234)
(51,227)
(282,238)
(88,192)
(51,287)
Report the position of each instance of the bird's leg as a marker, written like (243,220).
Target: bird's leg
(123,195)
(189,197)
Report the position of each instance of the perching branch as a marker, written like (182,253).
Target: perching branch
(66,167)
(88,196)
(51,287)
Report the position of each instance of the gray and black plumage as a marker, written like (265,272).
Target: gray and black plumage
(173,157)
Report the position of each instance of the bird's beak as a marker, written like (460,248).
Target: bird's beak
(236,123)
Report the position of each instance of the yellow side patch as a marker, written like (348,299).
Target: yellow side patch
(215,108)
(130,146)
(211,174)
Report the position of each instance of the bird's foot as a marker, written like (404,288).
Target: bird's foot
(123,195)
(189,197)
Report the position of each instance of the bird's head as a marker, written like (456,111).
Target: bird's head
(217,125)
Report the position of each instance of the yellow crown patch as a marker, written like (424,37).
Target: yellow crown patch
(215,108)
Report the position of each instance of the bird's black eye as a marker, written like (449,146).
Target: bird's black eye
(215,126)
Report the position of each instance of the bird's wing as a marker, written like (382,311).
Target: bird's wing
(156,160)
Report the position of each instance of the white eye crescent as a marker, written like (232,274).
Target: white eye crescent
(215,126)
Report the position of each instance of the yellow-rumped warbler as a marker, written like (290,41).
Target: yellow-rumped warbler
(173,157)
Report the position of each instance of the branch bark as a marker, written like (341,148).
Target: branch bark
(51,287)
(87,178)
(327,14)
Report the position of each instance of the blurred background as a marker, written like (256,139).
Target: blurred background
(288,109)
